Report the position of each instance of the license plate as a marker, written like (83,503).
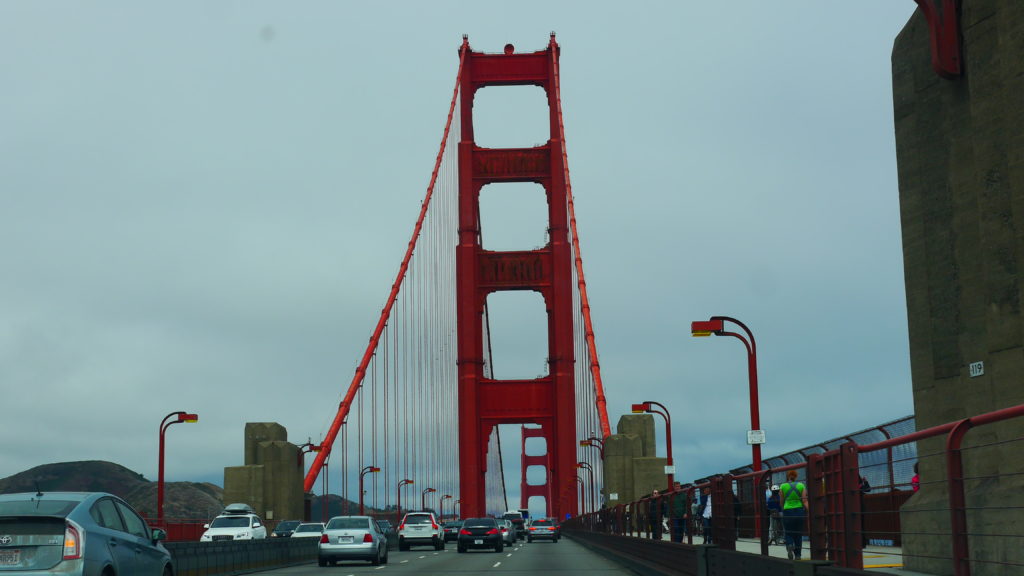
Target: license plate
(346,540)
(478,542)
(10,557)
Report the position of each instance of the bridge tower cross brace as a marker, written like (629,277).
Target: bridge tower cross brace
(549,400)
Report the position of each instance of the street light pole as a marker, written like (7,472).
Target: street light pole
(179,416)
(594,442)
(455,505)
(440,507)
(586,466)
(423,497)
(716,326)
(755,437)
(398,503)
(366,470)
(646,407)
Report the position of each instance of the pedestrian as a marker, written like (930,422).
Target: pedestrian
(865,487)
(679,510)
(655,514)
(915,482)
(794,513)
(705,514)
(775,535)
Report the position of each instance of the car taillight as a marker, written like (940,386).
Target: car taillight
(433,526)
(533,527)
(324,539)
(367,539)
(401,526)
(465,532)
(72,543)
(492,531)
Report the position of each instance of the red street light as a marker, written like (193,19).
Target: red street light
(366,470)
(440,507)
(164,425)
(646,407)
(595,443)
(399,502)
(423,497)
(586,466)
(755,437)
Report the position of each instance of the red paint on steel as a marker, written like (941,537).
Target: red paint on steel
(527,491)
(357,380)
(484,402)
(957,499)
(943,17)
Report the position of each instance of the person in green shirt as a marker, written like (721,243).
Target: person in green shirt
(794,513)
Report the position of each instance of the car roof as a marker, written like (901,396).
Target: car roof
(74,496)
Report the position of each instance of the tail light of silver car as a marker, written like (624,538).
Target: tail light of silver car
(72,542)
(367,539)
(324,539)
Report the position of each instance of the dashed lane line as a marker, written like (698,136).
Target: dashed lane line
(496,565)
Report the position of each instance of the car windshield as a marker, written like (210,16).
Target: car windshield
(230,522)
(418,519)
(37,507)
(348,524)
(477,522)
(310,528)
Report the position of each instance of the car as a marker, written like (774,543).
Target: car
(451,530)
(285,528)
(352,538)
(480,533)
(508,531)
(78,533)
(542,529)
(420,529)
(388,529)
(236,522)
(309,530)
(518,520)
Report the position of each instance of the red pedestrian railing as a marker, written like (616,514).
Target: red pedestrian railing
(961,521)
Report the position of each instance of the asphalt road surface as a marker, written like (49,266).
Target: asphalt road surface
(566,558)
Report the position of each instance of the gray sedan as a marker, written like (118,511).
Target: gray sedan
(352,538)
(78,533)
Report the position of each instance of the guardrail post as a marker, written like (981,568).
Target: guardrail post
(723,516)
(852,537)
(703,551)
(817,516)
(957,500)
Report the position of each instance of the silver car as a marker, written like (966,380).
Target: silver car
(78,533)
(508,531)
(352,538)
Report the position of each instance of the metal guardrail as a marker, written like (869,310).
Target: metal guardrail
(842,519)
(224,558)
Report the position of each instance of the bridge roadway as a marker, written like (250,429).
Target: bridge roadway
(565,558)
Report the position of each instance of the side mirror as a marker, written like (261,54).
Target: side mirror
(158,535)
(206,526)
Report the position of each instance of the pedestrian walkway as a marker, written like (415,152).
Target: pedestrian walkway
(882,559)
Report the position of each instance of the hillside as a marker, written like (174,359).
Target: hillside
(181,499)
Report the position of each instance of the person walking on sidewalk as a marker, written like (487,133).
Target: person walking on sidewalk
(794,513)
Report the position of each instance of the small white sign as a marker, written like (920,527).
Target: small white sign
(977,369)
(613,496)
(755,436)
(670,469)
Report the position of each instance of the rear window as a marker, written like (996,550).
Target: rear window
(542,523)
(417,519)
(37,508)
(473,522)
(349,524)
(230,522)
(288,525)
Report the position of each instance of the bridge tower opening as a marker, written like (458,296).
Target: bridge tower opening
(549,400)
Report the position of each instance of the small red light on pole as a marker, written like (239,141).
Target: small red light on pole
(641,408)
(706,327)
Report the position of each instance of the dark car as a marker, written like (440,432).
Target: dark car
(285,528)
(480,533)
(79,533)
(451,530)
(542,529)
(390,533)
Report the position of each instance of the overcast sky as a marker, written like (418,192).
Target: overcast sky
(203,205)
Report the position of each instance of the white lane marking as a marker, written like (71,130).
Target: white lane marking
(403,561)
(509,555)
(422,557)
(380,567)
(496,565)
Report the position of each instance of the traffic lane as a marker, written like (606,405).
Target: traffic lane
(564,557)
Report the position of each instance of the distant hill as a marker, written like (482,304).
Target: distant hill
(181,499)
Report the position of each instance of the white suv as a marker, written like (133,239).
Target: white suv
(236,522)
(420,529)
